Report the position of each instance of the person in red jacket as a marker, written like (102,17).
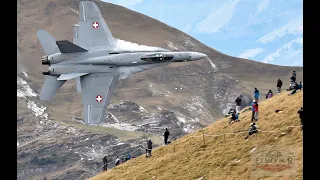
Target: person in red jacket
(255,106)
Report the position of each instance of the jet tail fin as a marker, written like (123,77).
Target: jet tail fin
(68,47)
(47,42)
(50,87)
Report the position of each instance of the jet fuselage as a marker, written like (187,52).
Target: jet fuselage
(106,61)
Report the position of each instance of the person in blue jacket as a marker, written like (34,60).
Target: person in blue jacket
(300,86)
(128,157)
(256,94)
(237,116)
(294,74)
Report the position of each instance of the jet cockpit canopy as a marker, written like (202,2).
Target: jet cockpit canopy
(157,57)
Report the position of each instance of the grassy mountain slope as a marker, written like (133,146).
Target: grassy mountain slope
(219,159)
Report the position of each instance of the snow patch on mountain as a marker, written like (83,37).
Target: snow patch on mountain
(181,119)
(38,110)
(23,89)
(188,128)
(196,106)
(120,126)
(141,109)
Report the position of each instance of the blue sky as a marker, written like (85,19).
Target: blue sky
(268,31)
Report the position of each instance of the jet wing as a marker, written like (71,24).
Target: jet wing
(96,92)
(92,31)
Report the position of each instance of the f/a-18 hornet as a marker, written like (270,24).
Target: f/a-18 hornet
(95,61)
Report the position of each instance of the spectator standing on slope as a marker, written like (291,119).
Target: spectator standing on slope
(255,108)
(293,78)
(149,147)
(256,94)
(300,112)
(252,116)
(238,104)
(166,136)
(294,74)
(105,163)
(279,85)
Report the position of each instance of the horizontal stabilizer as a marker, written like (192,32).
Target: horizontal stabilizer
(47,42)
(68,47)
(70,76)
(50,87)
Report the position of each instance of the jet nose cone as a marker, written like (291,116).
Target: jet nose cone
(196,55)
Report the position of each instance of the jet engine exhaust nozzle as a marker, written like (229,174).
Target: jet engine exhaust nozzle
(44,58)
(45,61)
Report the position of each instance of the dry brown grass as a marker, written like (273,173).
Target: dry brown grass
(187,158)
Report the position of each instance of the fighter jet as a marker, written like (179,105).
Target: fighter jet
(94,60)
